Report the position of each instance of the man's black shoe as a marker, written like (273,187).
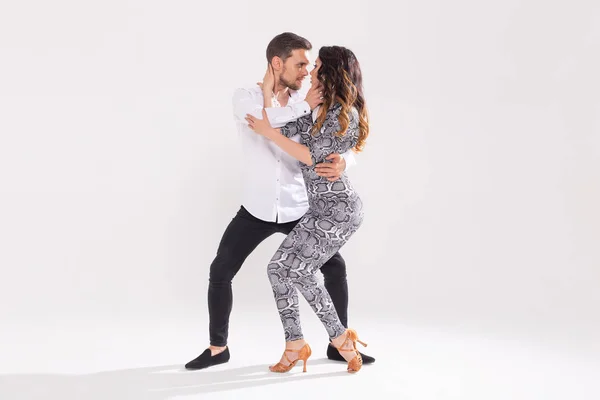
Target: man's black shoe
(205,360)
(334,354)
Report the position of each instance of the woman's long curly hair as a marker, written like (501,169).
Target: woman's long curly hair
(341,78)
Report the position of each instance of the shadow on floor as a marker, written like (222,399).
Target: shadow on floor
(149,383)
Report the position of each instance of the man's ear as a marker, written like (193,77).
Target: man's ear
(277,63)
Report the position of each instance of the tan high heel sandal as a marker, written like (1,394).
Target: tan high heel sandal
(356,363)
(303,353)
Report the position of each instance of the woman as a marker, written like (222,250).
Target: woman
(335,210)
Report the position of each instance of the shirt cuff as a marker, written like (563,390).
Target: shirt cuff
(301,109)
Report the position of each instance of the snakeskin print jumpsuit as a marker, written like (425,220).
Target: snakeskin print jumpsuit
(334,214)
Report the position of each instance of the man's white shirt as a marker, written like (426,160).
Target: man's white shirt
(273,187)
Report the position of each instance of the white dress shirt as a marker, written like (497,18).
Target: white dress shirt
(273,187)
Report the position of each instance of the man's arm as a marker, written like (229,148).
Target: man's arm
(245,102)
(349,158)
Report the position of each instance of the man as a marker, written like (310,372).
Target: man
(274,195)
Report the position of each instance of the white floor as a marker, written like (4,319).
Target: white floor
(144,360)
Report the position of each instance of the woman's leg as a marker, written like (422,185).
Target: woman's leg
(294,265)
(334,274)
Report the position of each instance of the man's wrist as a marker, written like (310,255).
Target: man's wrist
(304,107)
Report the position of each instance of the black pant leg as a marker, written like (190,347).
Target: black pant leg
(241,237)
(334,277)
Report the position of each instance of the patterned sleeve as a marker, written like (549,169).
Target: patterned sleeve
(327,141)
(349,140)
(301,126)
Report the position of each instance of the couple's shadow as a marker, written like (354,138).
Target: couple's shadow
(151,383)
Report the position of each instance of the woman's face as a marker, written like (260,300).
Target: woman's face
(313,74)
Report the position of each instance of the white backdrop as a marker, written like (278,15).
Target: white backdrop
(119,166)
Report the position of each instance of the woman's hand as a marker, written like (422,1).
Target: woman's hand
(314,96)
(268,83)
(261,126)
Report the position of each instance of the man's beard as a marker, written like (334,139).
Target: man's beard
(292,85)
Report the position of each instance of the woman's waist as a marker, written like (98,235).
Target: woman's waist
(332,197)
(318,184)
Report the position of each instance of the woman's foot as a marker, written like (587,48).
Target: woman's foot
(346,345)
(334,354)
(294,350)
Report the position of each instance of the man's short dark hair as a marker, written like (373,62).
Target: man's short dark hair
(283,44)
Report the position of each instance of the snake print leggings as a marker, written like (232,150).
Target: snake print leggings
(310,244)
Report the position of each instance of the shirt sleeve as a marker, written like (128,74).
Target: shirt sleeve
(246,102)
(350,159)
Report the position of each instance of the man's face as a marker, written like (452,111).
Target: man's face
(294,69)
